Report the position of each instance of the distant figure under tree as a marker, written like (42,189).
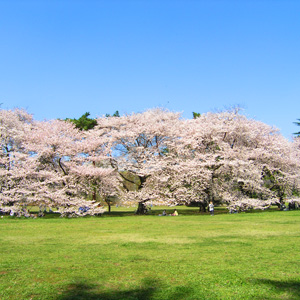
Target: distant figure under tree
(211,208)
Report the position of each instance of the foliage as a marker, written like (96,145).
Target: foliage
(298,124)
(196,115)
(84,122)
(221,157)
(43,167)
(115,114)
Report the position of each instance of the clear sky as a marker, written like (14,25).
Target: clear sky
(61,58)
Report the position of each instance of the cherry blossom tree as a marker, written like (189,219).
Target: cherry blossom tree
(138,144)
(223,157)
(51,164)
(93,170)
(15,167)
(236,157)
(58,149)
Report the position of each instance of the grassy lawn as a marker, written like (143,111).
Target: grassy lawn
(192,256)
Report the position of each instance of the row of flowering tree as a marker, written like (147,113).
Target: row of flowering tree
(221,157)
(49,163)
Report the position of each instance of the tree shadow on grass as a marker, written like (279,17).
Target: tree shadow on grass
(146,291)
(290,287)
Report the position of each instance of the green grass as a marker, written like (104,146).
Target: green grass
(239,256)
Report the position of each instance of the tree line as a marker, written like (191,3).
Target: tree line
(70,164)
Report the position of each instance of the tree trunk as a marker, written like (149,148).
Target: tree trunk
(94,194)
(202,207)
(141,210)
(108,202)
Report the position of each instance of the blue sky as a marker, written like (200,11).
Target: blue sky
(63,58)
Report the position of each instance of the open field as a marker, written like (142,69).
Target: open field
(238,256)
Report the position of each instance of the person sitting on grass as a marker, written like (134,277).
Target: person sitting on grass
(164,213)
(175,213)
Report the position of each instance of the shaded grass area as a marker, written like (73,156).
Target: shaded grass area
(122,211)
(240,256)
